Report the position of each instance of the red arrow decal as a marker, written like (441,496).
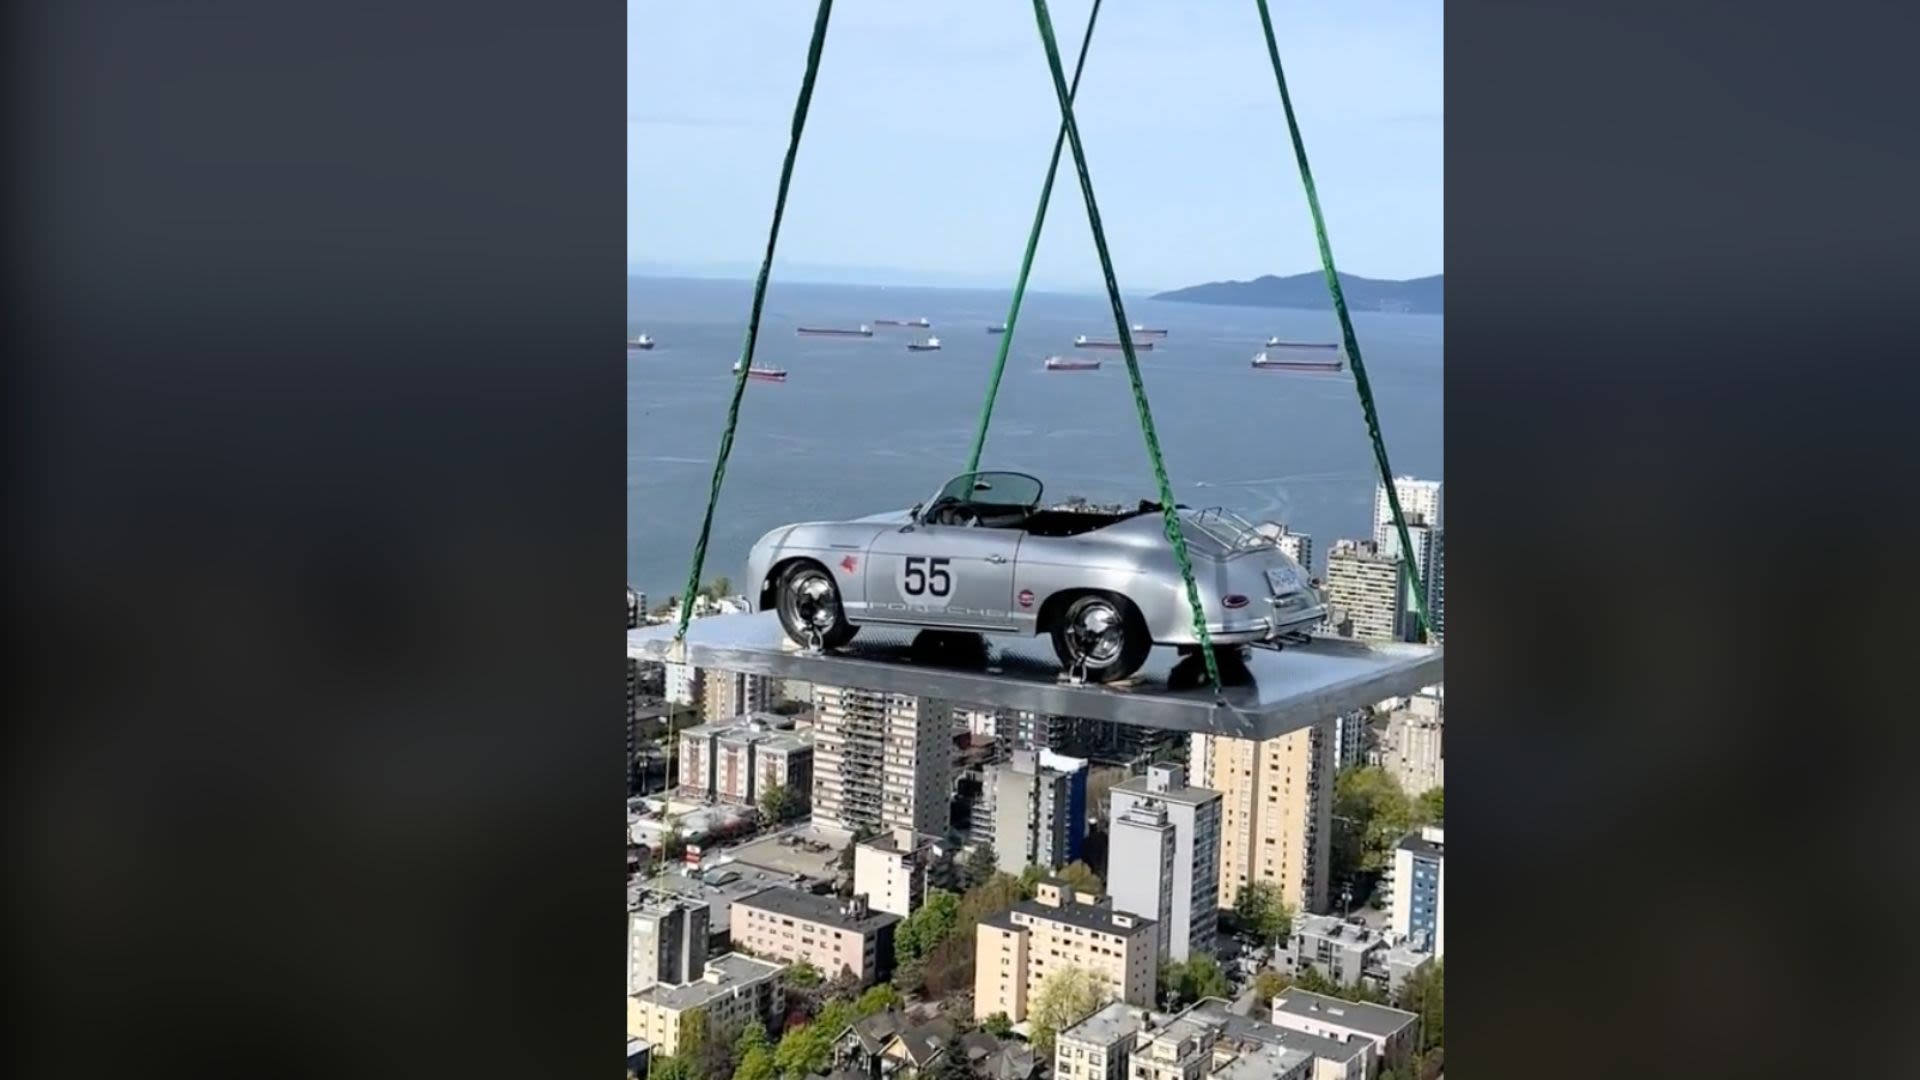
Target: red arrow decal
(848,564)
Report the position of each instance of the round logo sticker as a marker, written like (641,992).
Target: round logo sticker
(1026,597)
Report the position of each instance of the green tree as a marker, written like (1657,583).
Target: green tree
(1065,998)
(997,894)
(979,866)
(1265,985)
(1431,807)
(1375,813)
(669,1068)
(776,802)
(808,1049)
(877,999)
(927,927)
(802,974)
(1030,879)
(997,1025)
(756,1064)
(1259,910)
(753,1036)
(1424,993)
(1204,979)
(1082,878)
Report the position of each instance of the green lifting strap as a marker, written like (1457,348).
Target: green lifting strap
(1026,260)
(1168,512)
(1414,577)
(753,319)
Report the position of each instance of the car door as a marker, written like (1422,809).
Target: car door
(947,576)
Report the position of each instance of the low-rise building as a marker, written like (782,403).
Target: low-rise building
(733,990)
(1394,1034)
(715,886)
(1332,1059)
(1121,1041)
(737,760)
(1348,953)
(1018,949)
(890,1046)
(835,936)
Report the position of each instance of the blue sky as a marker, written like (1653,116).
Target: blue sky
(932,119)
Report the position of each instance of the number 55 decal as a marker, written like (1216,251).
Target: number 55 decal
(927,576)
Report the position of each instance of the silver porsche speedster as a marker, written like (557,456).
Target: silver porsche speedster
(982,555)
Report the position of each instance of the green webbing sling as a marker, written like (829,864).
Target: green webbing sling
(753,319)
(1169,514)
(1414,577)
(1026,260)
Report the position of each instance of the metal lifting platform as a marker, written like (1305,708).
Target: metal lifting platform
(1266,693)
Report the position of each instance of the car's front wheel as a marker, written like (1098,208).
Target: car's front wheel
(809,605)
(1102,636)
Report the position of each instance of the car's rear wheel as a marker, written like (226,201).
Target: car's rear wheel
(809,605)
(1103,636)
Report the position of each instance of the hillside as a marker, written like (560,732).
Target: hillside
(1422,296)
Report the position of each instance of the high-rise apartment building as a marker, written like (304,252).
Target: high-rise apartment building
(1411,749)
(1039,810)
(727,694)
(1276,801)
(881,761)
(1419,867)
(1194,814)
(1298,545)
(1140,865)
(1419,502)
(683,683)
(1365,590)
(1019,949)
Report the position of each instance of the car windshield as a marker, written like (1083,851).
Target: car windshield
(993,489)
(1228,529)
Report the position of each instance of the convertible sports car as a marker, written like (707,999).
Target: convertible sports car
(983,556)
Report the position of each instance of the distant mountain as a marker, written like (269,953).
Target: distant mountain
(1420,296)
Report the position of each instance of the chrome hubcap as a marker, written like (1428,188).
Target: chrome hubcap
(1097,634)
(813,602)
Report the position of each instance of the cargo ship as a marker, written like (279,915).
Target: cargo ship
(1144,331)
(1061,363)
(764,374)
(1001,329)
(830,331)
(641,342)
(932,344)
(1085,342)
(1264,362)
(920,322)
(1276,343)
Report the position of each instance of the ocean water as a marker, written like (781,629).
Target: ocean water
(862,425)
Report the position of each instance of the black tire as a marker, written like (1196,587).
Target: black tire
(1103,635)
(803,605)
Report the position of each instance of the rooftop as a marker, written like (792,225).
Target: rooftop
(827,910)
(769,730)
(1420,845)
(1245,1029)
(1347,935)
(1086,916)
(1191,796)
(1360,1016)
(718,886)
(1269,1061)
(724,974)
(1112,1023)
